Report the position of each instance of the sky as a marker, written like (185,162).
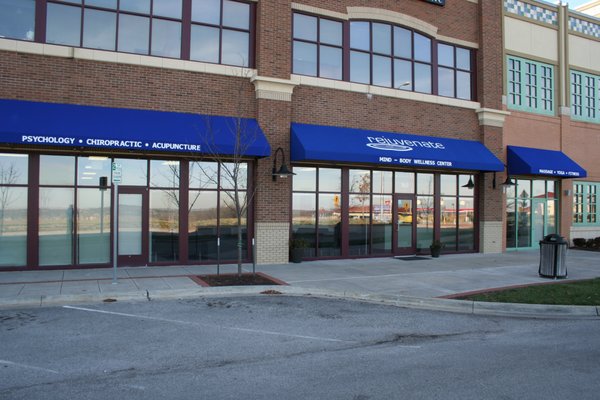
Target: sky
(576,3)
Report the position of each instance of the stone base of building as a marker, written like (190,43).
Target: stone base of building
(490,237)
(272,242)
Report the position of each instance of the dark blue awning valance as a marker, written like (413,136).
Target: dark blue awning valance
(326,143)
(530,161)
(67,125)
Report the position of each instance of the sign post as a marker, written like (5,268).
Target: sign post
(116,180)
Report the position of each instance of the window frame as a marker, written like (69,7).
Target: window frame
(517,88)
(185,23)
(318,43)
(348,51)
(582,191)
(580,98)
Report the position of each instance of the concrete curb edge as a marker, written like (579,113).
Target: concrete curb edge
(433,304)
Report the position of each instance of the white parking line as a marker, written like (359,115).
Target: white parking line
(6,362)
(324,339)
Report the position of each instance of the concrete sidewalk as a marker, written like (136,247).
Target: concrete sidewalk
(378,279)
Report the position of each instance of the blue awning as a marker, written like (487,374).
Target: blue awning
(66,125)
(529,161)
(326,143)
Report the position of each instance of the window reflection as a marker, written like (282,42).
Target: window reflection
(57,170)
(166,38)
(208,11)
(305,58)
(134,172)
(100,29)
(164,173)
(330,225)
(236,14)
(93,226)
(91,169)
(56,219)
(17,19)
(13,169)
(134,34)
(202,225)
(164,225)
(204,44)
(63,24)
(13,223)
(235,48)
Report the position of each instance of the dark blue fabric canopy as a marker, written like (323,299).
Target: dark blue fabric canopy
(530,161)
(327,143)
(49,124)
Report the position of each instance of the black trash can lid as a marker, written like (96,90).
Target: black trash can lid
(554,238)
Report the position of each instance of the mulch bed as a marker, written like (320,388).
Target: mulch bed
(246,279)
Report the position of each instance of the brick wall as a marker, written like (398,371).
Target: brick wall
(73,81)
(332,107)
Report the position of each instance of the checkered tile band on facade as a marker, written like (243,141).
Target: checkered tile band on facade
(585,27)
(527,10)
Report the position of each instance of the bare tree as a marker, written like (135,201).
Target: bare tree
(8,176)
(233,172)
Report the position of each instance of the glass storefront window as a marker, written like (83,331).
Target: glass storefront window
(204,175)
(330,225)
(134,172)
(382,181)
(202,225)
(230,173)
(360,181)
(13,225)
(228,227)
(93,226)
(164,173)
(57,170)
(466,224)
(448,222)
(359,224)
(425,221)
(56,218)
(164,225)
(532,212)
(425,184)
(13,169)
(304,220)
(448,185)
(91,169)
(305,179)
(330,180)
(405,182)
(381,211)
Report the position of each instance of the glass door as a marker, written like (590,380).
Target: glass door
(132,242)
(538,221)
(405,226)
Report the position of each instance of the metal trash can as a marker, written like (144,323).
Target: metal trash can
(553,252)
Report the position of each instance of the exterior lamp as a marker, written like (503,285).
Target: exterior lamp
(470,184)
(283,171)
(508,181)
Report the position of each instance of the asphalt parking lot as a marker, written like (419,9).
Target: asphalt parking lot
(286,347)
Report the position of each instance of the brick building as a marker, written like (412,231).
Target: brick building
(395,116)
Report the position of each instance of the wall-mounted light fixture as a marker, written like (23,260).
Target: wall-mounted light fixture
(470,184)
(568,192)
(507,182)
(283,171)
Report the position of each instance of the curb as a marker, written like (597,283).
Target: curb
(432,304)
